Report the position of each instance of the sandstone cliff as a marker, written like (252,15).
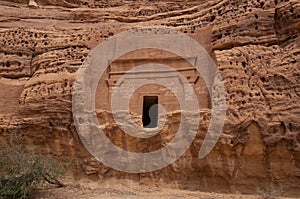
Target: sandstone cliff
(256,45)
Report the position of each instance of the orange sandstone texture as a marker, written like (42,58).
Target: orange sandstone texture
(255,44)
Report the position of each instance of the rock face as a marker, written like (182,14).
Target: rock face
(256,45)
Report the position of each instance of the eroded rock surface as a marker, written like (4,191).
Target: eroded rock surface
(255,44)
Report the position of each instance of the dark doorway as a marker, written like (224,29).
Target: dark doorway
(150,111)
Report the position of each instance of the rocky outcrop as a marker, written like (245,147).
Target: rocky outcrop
(254,43)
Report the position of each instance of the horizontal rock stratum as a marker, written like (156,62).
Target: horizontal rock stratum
(255,44)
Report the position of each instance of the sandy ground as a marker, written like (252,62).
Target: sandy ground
(95,190)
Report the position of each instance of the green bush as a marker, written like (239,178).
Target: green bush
(21,172)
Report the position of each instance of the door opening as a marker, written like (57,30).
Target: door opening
(150,111)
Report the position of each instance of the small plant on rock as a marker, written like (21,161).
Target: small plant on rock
(21,172)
